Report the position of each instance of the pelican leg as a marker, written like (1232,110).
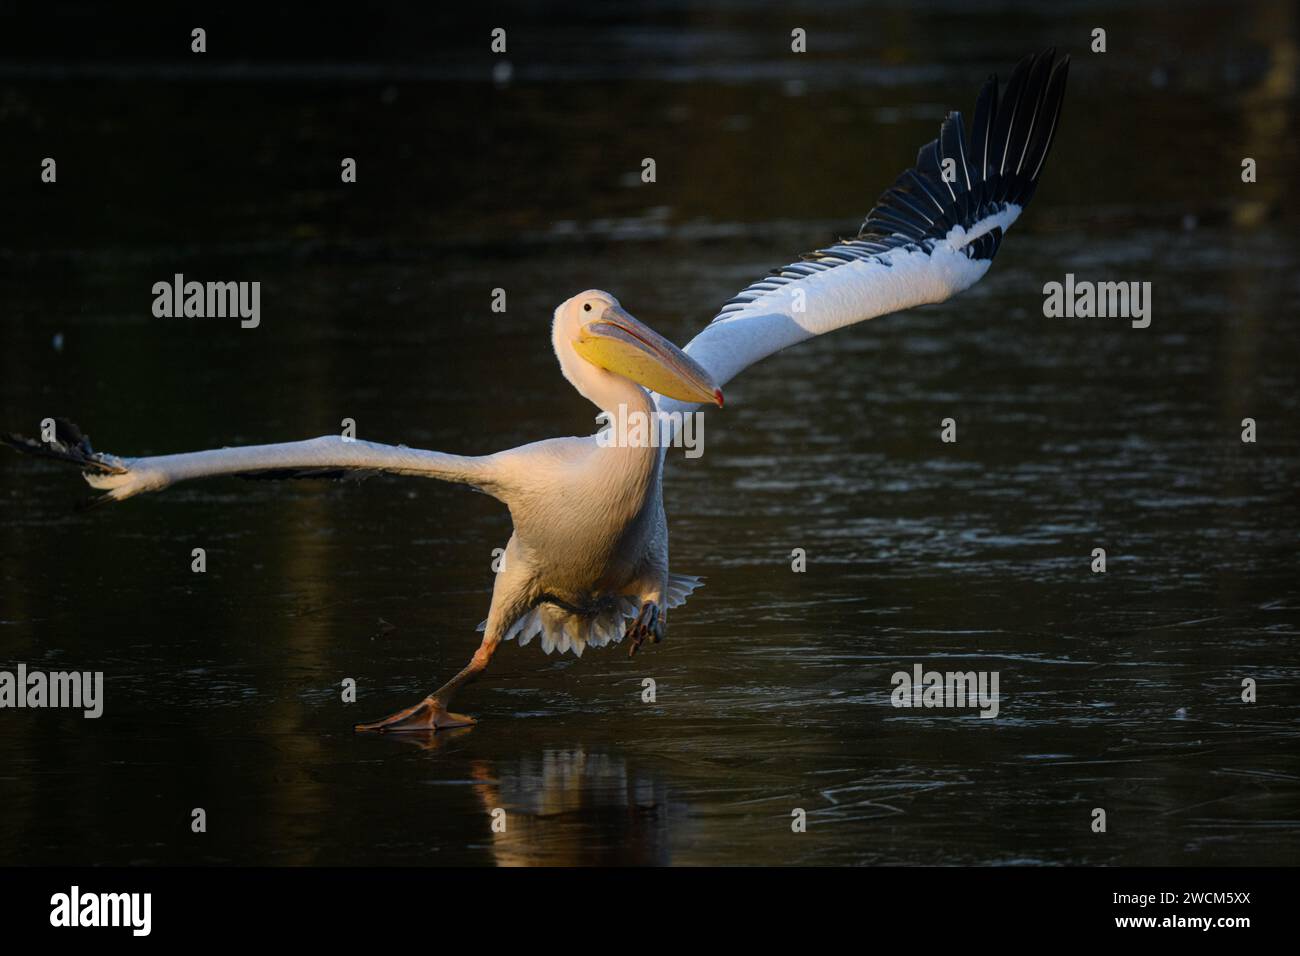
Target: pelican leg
(512,594)
(431,714)
(649,624)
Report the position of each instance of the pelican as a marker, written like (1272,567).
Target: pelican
(587,562)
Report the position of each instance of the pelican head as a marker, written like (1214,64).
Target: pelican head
(602,333)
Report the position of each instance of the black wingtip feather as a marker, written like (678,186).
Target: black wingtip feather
(70,444)
(986,107)
(1054,100)
(1016,128)
(1008,144)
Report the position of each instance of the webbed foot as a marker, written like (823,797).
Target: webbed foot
(428,714)
(649,624)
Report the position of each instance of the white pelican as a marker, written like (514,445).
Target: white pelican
(587,563)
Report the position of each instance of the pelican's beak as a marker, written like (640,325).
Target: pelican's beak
(620,344)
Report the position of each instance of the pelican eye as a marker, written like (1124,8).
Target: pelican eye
(586,307)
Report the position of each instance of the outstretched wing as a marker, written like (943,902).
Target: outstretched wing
(932,234)
(330,456)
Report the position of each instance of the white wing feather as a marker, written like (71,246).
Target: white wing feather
(928,238)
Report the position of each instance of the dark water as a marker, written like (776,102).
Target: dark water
(1119,691)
